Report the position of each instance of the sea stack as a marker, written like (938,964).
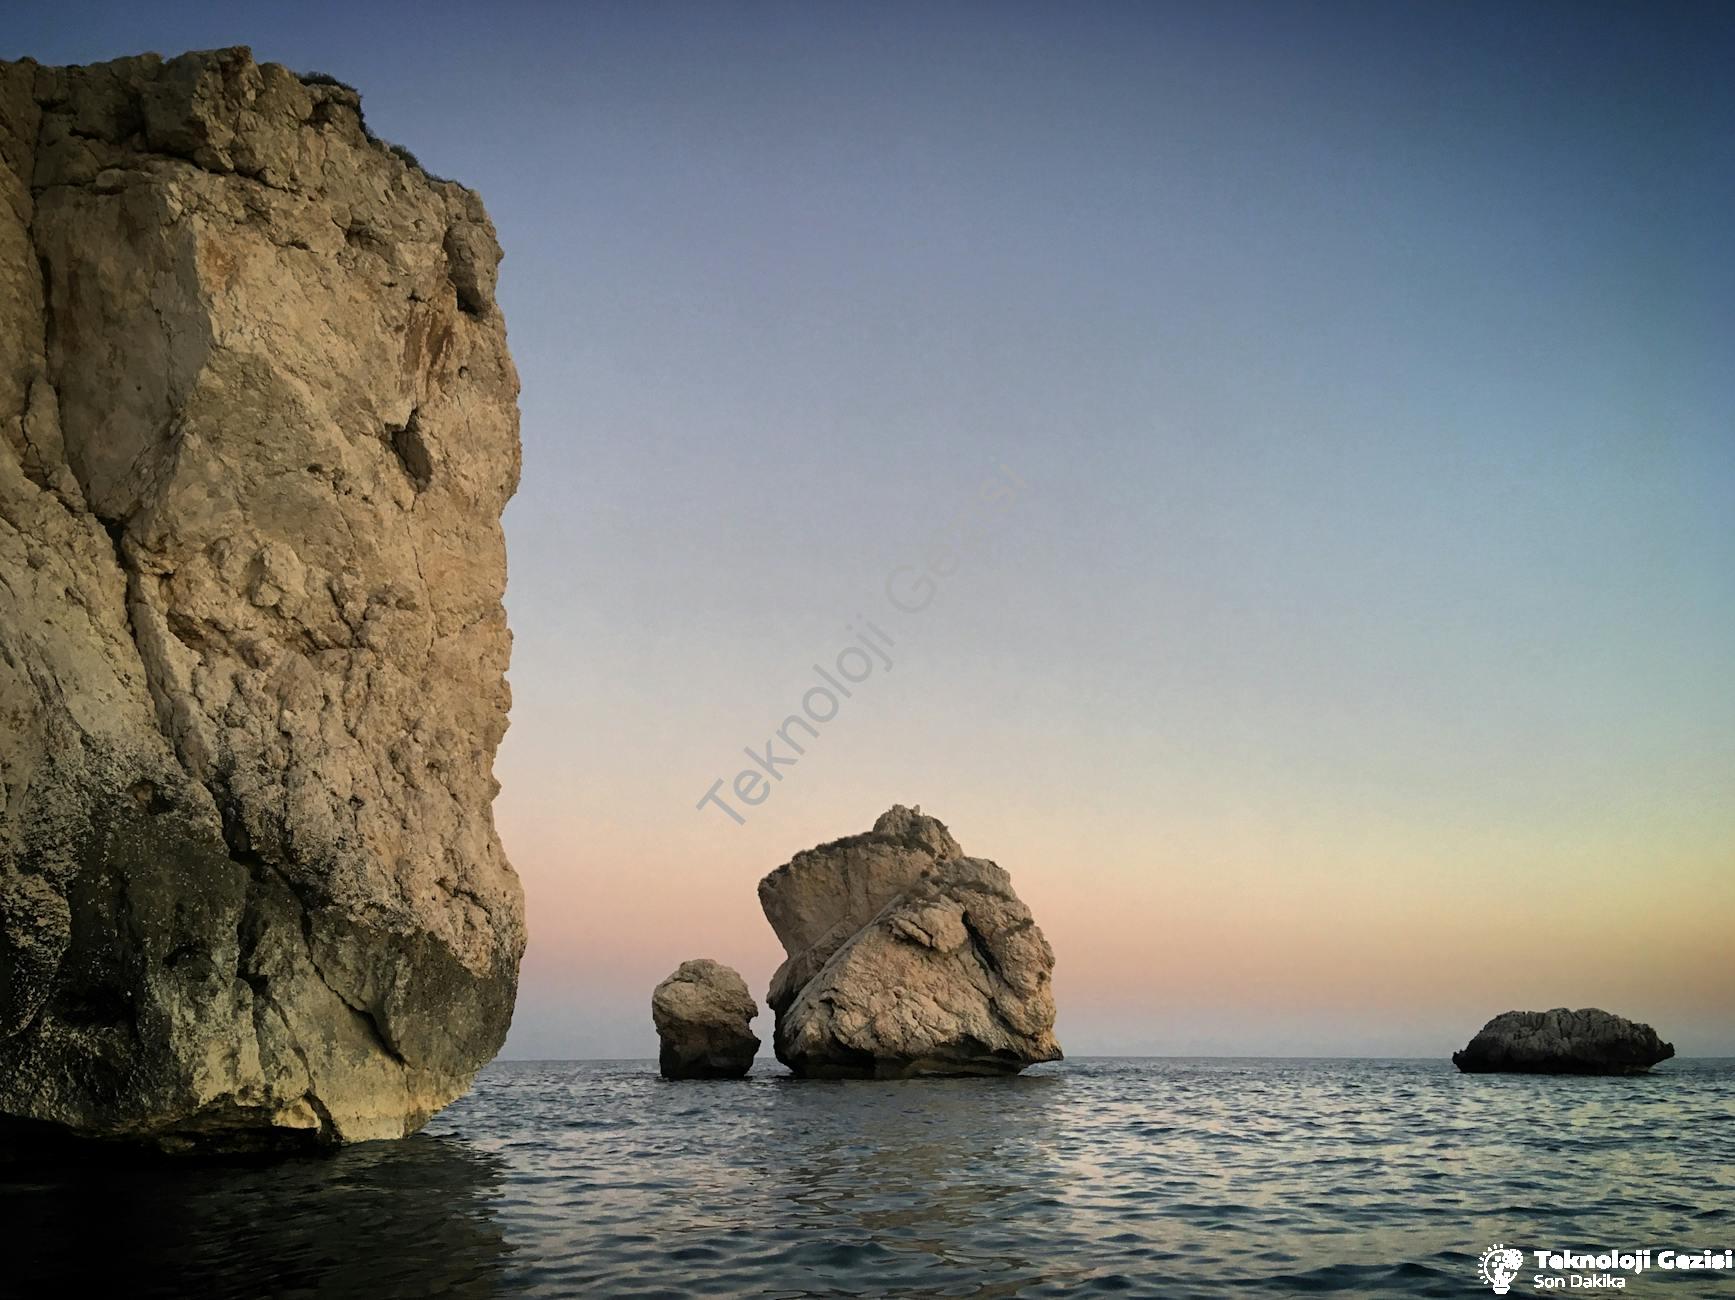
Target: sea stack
(702,1013)
(257,426)
(906,958)
(1562,1042)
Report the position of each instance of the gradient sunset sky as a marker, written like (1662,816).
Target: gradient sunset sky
(1357,659)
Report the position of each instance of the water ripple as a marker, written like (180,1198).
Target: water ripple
(1095,1177)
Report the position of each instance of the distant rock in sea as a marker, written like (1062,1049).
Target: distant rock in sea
(906,958)
(1562,1042)
(702,1013)
(257,426)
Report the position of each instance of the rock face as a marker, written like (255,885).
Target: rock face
(906,958)
(702,1013)
(1562,1042)
(257,426)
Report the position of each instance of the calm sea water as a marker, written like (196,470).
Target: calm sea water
(1143,1177)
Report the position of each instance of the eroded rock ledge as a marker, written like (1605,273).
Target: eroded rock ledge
(257,426)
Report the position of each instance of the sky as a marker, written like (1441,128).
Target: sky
(1307,431)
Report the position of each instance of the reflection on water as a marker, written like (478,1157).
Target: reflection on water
(1185,1178)
(412,1218)
(958,1174)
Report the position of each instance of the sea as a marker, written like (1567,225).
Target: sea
(1142,1177)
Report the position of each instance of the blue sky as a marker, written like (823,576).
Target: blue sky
(1369,365)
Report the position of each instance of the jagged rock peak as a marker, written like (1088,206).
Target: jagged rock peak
(906,958)
(823,895)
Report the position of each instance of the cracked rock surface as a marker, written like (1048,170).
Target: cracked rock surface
(257,426)
(906,958)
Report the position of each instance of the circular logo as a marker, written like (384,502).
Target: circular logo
(1499,1266)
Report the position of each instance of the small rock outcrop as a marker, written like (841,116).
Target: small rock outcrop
(257,426)
(1562,1042)
(702,1013)
(906,958)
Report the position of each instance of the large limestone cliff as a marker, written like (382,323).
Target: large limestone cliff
(257,426)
